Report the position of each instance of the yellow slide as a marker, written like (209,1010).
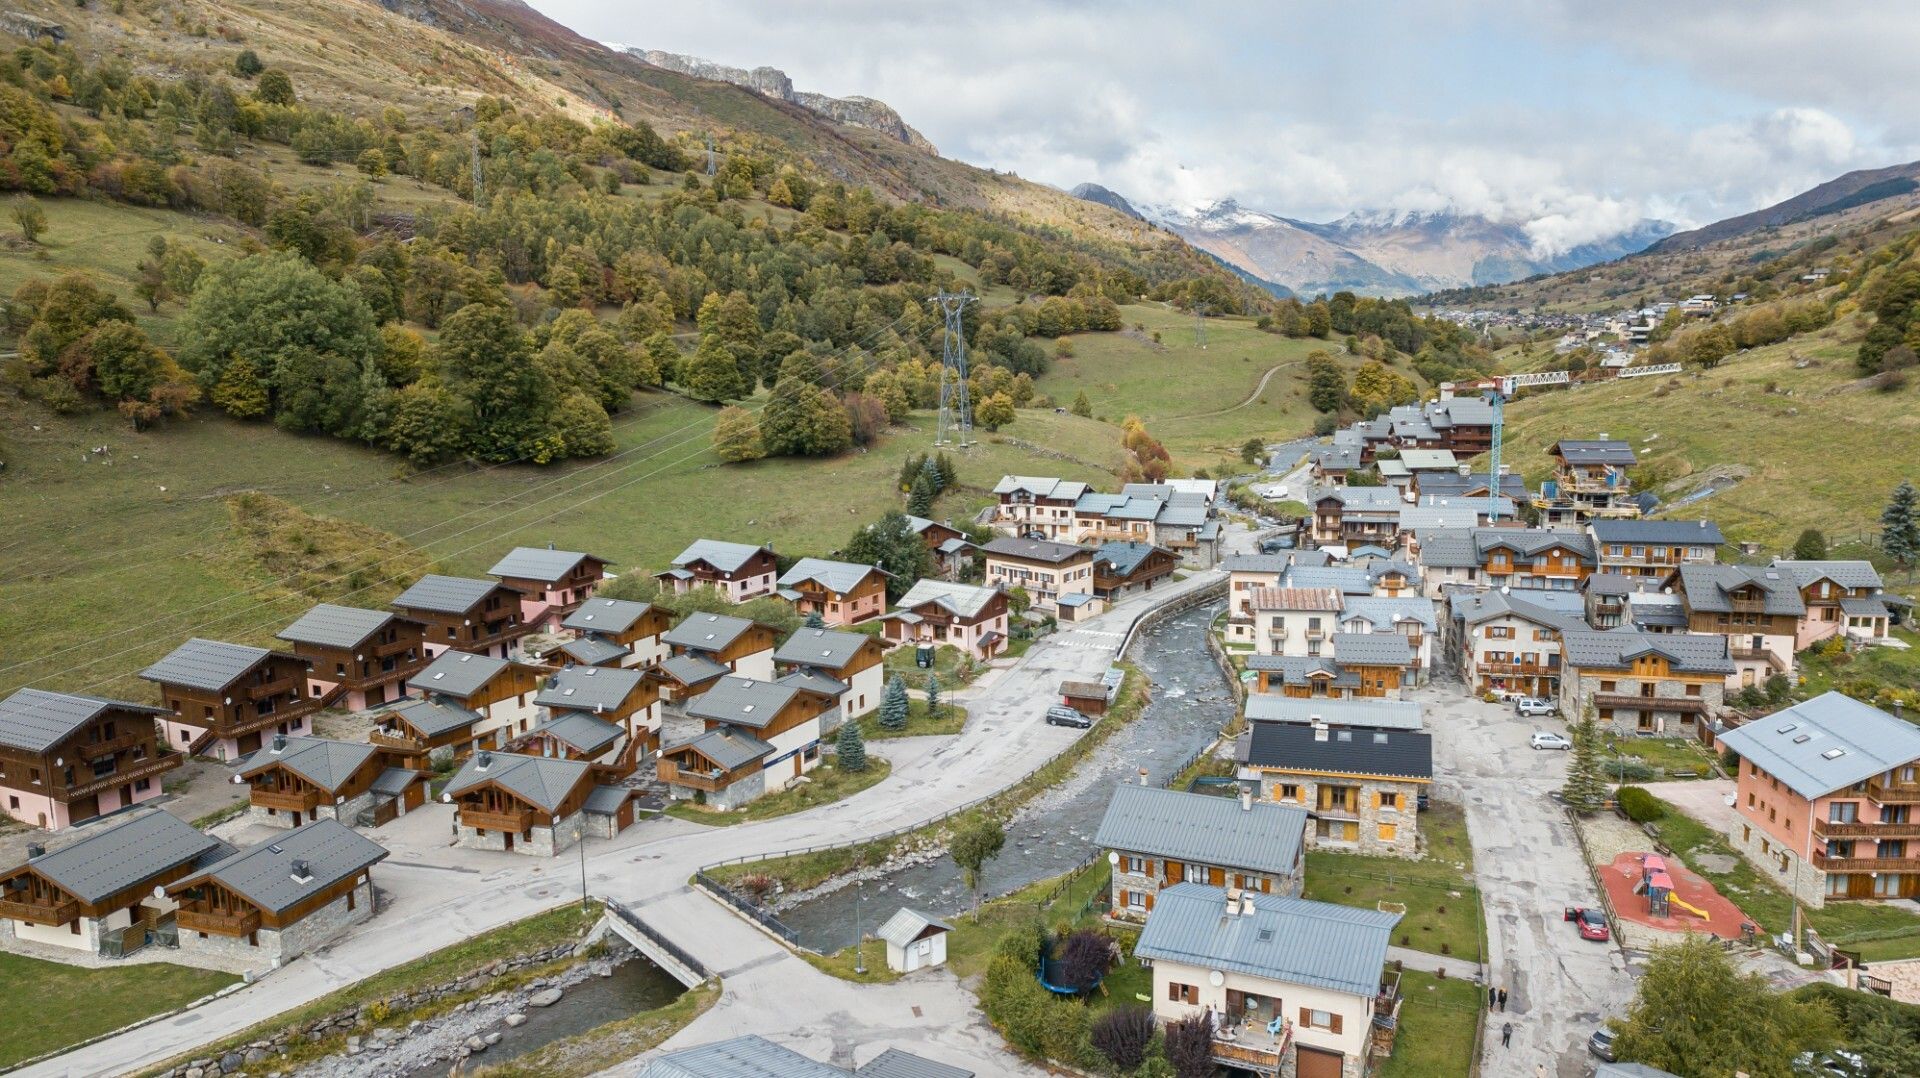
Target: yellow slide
(1676,900)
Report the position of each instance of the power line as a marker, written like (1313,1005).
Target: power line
(956,411)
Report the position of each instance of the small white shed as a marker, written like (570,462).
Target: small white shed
(914,940)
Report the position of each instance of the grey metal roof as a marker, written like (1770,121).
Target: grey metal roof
(727,746)
(539,780)
(1449,549)
(1532,541)
(458,674)
(605,615)
(1472,608)
(1397,754)
(540,563)
(829,649)
(1299,670)
(1618,583)
(1658,532)
(211,665)
(814,681)
(607,800)
(1039,550)
(1349,581)
(742,701)
(692,669)
(1365,711)
(326,763)
(1292,940)
(1847,574)
(964,600)
(125,855)
(1694,653)
(1040,486)
(394,781)
(593,651)
(1825,744)
(433,718)
(1595,451)
(331,626)
(894,1063)
(1710,587)
(1338,457)
(1366,499)
(445,594)
(1255,563)
(589,688)
(1452,485)
(579,731)
(1263,837)
(1653,610)
(263,874)
(37,720)
(1124,558)
(1372,649)
(837,576)
(707,632)
(1384,613)
(726,557)
(906,925)
(1181,516)
(1867,606)
(751,1056)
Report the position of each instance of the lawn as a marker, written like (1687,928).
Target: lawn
(1442,908)
(71,1004)
(947,666)
(1668,756)
(1878,932)
(826,784)
(1889,666)
(1437,1027)
(952,720)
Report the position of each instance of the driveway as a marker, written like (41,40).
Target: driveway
(1710,801)
(1528,865)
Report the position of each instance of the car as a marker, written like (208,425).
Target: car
(1508,696)
(1601,1043)
(1547,739)
(1835,1064)
(1061,715)
(1591,922)
(1528,706)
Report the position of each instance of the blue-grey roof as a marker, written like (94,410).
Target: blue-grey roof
(125,855)
(1710,587)
(1040,550)
(1614,649)
(1866,606)
(1040,487)
(607,800)
(906,925)
(433,718)
(543,564)
(1291,940)
(599,615)
(751,1056)
(1348,581)
(581,732)
(964,600)
(1384,613)
(1299,669)
(1372,649)
(742,701)
(589,688)
(263,874)
(1825,744)
(538,780)
(326,763)
(445,594)
(1175,824)
(458,674)
(835,576)
(894,1063)
(726,557)
(1472,608)
(829,649)
(1255,563)
(210,665)
(1595,451)
(1123,559)
(1363,711)
(1531,541)
(594,651)
(1450,548)
(394,781)
(331,626)
(37,720)
(1658,532)
(814,681)
(728,747)
(707,632)
(1847,574)
(1366,499)
(692,669)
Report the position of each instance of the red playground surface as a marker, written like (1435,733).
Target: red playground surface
(1692,903)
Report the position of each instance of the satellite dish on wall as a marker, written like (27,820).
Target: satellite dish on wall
(1113,857)
(1216,978)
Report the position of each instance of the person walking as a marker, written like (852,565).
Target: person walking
(1503,1001)
(1506,1035)
(1493,997)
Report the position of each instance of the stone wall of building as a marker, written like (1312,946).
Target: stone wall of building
(1806,882)
(1625,720)
(324,924)
(1405,841)
(739,792)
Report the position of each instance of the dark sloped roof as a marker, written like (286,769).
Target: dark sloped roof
(589,688)
(326,763)
(539,780)
(1827,743)
(1361,711)
(211,665)
(433,718)
(125,855)
(836,576)
(829,649)
(707,632)
(593,651)
(606,615)
(692,669)
(1613,649)
(331,626)
(1264,837)
(1124,559)
(539,563)
(1659,532)
(1710,587)
(1401,754)
(894,1063)
(1292,940)
(1595,451)
(1298,670)
(394,781)
(607,800)
(37,720)
(445,594)
(457,673)
(750,1056)
(1372,649)
(743,701)
(813,680)
(263,874)
(726,557)
(584,733)
(1847,574)
(728,747)
(1034,550)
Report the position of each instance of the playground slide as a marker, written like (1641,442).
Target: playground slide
(1676,900)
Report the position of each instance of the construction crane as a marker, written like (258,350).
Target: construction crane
(1497,399)
(955,425)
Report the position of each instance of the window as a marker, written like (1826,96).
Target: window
(141,786)
(1606,686)
(1693,690)
(1746,833)
(1289,792)
(1388,831)
(1136,865)
(1843,811)
(1183,993)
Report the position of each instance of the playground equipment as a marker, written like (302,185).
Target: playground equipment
(1657,885)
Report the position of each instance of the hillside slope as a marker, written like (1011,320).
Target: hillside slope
(1893,184)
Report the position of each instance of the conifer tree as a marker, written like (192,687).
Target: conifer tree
(894,705)
(1081,405)
(1900,528)
(920,502)
(1586,788)
(851,748)
(815,621)
(933,696)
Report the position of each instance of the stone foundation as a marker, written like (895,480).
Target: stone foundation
(1804,881)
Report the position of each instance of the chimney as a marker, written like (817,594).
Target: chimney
(1506,469)
(1143,777)
(1465,470)
(1246,799)
(1246,904)
(1319,730)
(1233,901)
(34,849)
(483,761)
(279,743)
(302,872)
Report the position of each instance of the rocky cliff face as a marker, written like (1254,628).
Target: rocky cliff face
(772,82)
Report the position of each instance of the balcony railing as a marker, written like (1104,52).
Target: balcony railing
(1655,703)
(1895,793)
(1517,668)
(1277,634)
(143,769)
(1834,829)
(53,915)
(218,922)
(669,772)
(94,750)
(1866,864)
(396,741)
(1253,1047)
(514,820)
(286,800)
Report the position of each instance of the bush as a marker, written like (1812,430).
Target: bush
(1730,761)
(1023,944)
(1085,956)
(1623,769)
(1639,805)
(1189,1046)
(1123,1035)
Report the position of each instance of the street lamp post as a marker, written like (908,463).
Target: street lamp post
(580,839)
(859,937)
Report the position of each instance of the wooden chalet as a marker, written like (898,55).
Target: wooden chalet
(744,647)
(258,903)
(634,627)
(841,593)
(499,691)
(296,780)
(481,616)
(624,699)
(951,550)
(421,733)
(85,894)
(225,699)
(552,583)
(357,658)
(1121,569)
(520,804)
(740,571)
(65,758)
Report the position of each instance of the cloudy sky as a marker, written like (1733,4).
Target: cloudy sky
(1577,118)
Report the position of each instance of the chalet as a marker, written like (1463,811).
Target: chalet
(1294,620)
(744,647)
(1036,507)
(98,893)
(1370,714)
(633,627)
(224,699)
(1113,518)
(1350,516)
(1843,598)
(1045,570)
(1653,547)
(1316,678)
(480,616)
(850,666)
(1504,557)
(1640,683)
(684,677)
(1508,642)
(842,593)
(1410,617)
(534,805)
(357,658)
(1758,610)
(552,583)
(759,736)
(625,699)
(1462,485)
(67,758)
(1333,463)
(741,571)
(587,651)
(296,780)
(1291,986)
(951,550)
(1120,569)
(280,899)
(1590,482)
(1363,785)
(1824,796)
(1605,595)
(967,616)
(500,692)
(424,733)
(577,735)
(1157,838)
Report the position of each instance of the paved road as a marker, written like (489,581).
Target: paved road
(442,894)
(1529,868)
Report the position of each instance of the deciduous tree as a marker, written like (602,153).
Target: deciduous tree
(974,843)
(1696,1014)
(736,436)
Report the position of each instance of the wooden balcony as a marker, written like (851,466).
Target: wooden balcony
(1253,1048)
(1545,669)
(286,800)
(140,770)
(218,922)
(1832,829)
(1691,704)
(53,916)
(514,820)
(398,742)
(1893,793)
(1865,864)
(673,774)
(94,750)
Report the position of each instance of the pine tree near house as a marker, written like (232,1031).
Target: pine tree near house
(815,621)
(894,705)
(933,697)
(920,502)
(851,749)
(1586,788)
(1900,528)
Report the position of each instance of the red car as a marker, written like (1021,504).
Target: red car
(1591,923)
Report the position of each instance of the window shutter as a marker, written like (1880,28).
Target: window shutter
(1378,799)
(1217,876)
(1149,866)
(1266,885)
(1335,1027)
(1149,901)
(1124,900)
(1306,1018)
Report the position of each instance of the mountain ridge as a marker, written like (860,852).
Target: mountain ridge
(1841,193)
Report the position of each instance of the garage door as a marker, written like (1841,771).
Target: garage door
(1314,1063)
